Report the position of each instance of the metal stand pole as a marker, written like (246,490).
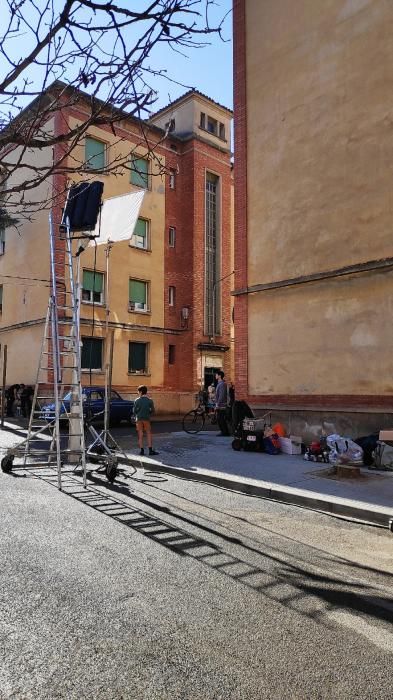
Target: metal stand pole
(3,384)
(108,349)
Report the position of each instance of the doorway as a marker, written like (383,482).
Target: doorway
(209,376)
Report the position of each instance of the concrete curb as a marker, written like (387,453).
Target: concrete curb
(333,505)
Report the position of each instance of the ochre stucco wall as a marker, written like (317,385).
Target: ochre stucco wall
(24,267)
(319,178)
(125,262)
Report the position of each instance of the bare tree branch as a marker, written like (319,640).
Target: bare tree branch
(88,55)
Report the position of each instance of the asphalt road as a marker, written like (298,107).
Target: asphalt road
(158,588)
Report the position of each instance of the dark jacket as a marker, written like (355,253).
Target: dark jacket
(221,394)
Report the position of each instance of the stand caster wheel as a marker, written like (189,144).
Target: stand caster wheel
(111,472)
(6,463)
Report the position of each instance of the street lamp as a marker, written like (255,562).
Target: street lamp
(215,283)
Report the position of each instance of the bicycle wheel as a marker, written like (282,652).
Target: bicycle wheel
(193,422)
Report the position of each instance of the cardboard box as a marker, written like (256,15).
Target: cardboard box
(291,445)
(386,435)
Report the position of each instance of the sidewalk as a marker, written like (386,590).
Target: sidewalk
(288,478)
(285,478)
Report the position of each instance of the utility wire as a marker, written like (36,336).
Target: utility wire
(31,279)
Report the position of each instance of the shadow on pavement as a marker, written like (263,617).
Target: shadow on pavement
(292,586)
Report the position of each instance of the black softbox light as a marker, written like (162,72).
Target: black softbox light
(82,206)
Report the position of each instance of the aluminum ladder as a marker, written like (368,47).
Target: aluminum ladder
(59,368)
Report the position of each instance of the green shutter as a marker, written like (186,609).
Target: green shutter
(94,154)
(93,282)
(140,228)
(1,295)
(91,353)
(140,172)
(138,292)
(137,357)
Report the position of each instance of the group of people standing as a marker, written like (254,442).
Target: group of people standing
(19,397)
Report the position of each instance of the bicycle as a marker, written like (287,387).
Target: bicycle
(194,421)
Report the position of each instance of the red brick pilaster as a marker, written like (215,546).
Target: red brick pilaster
(240,176)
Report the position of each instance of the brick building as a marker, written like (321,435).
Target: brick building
(169,306)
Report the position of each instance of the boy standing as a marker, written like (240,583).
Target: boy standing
(143,409)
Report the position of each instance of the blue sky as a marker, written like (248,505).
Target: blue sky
(209,69)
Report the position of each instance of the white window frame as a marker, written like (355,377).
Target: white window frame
(172,179)
(137,306)
(172,236)
(172,295)
(91,299)
(133,241)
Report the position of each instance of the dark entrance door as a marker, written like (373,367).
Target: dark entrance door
(209,376)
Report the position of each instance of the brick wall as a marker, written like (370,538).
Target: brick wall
(240,177)
(185,264)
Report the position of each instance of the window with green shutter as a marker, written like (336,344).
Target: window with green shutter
(91,356)
(140,172)
(140,237)
(94,154)
(138,295)
(138,358)
(93,286)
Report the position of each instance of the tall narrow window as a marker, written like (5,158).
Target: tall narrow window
(171,354)
(172,236)
(93,286)
(212,256)
(202,122)
(140,237)
(91,356)
(1,298)
(172,296)
(2,241)
(138,358)
(138,295)
(140,172)
(94,154)
(172,179)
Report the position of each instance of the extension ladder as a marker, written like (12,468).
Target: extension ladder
(59,368)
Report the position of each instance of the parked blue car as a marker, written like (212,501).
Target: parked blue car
(94,404)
